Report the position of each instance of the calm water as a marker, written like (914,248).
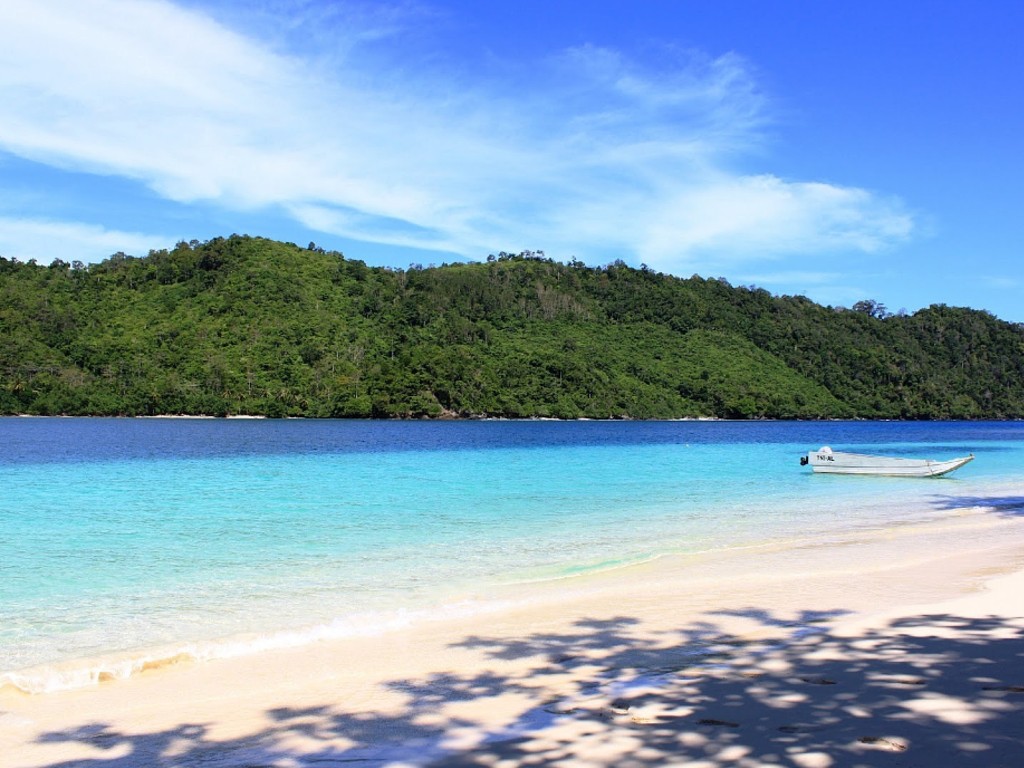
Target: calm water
(125,540)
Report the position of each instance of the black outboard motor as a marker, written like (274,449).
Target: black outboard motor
(803,461)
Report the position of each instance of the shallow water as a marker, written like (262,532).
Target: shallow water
(128,541)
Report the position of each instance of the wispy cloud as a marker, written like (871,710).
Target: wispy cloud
(1001,282)
(46,240)
(791,277)
(591,154)
(828,288)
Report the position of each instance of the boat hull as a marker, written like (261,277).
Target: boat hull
(836,463)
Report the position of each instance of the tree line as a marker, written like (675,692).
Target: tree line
(246,325)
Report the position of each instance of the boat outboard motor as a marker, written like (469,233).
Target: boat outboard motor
(803,461)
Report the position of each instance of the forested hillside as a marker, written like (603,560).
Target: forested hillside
(244,325)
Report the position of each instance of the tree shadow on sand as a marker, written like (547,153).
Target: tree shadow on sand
(1009,506)
(926,690)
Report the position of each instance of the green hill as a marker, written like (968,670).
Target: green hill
(245,325)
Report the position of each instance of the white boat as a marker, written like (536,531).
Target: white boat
(835,462)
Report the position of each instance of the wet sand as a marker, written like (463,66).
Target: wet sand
(895,647)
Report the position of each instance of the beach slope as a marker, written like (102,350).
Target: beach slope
(833,655)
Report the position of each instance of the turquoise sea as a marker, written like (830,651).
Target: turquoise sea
(127,541)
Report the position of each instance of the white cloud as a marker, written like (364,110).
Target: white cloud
(826,287)
(734,217)
(46,240)
(792,277)
(1001,282)
(591,155)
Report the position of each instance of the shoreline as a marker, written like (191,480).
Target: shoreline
(446,418)
(486,417)
(714,657)
(463,606)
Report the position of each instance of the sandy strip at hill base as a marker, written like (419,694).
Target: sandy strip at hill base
(897,647)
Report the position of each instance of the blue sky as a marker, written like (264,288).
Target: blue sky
(839,150)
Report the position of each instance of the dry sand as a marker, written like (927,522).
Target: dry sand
(902,647)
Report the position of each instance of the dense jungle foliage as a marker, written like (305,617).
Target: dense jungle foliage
(244,325)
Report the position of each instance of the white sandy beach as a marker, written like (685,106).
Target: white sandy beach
(900,647)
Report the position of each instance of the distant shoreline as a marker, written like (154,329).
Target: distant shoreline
(414,419)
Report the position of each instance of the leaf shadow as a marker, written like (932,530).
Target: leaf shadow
(935,689)
(1009,506)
